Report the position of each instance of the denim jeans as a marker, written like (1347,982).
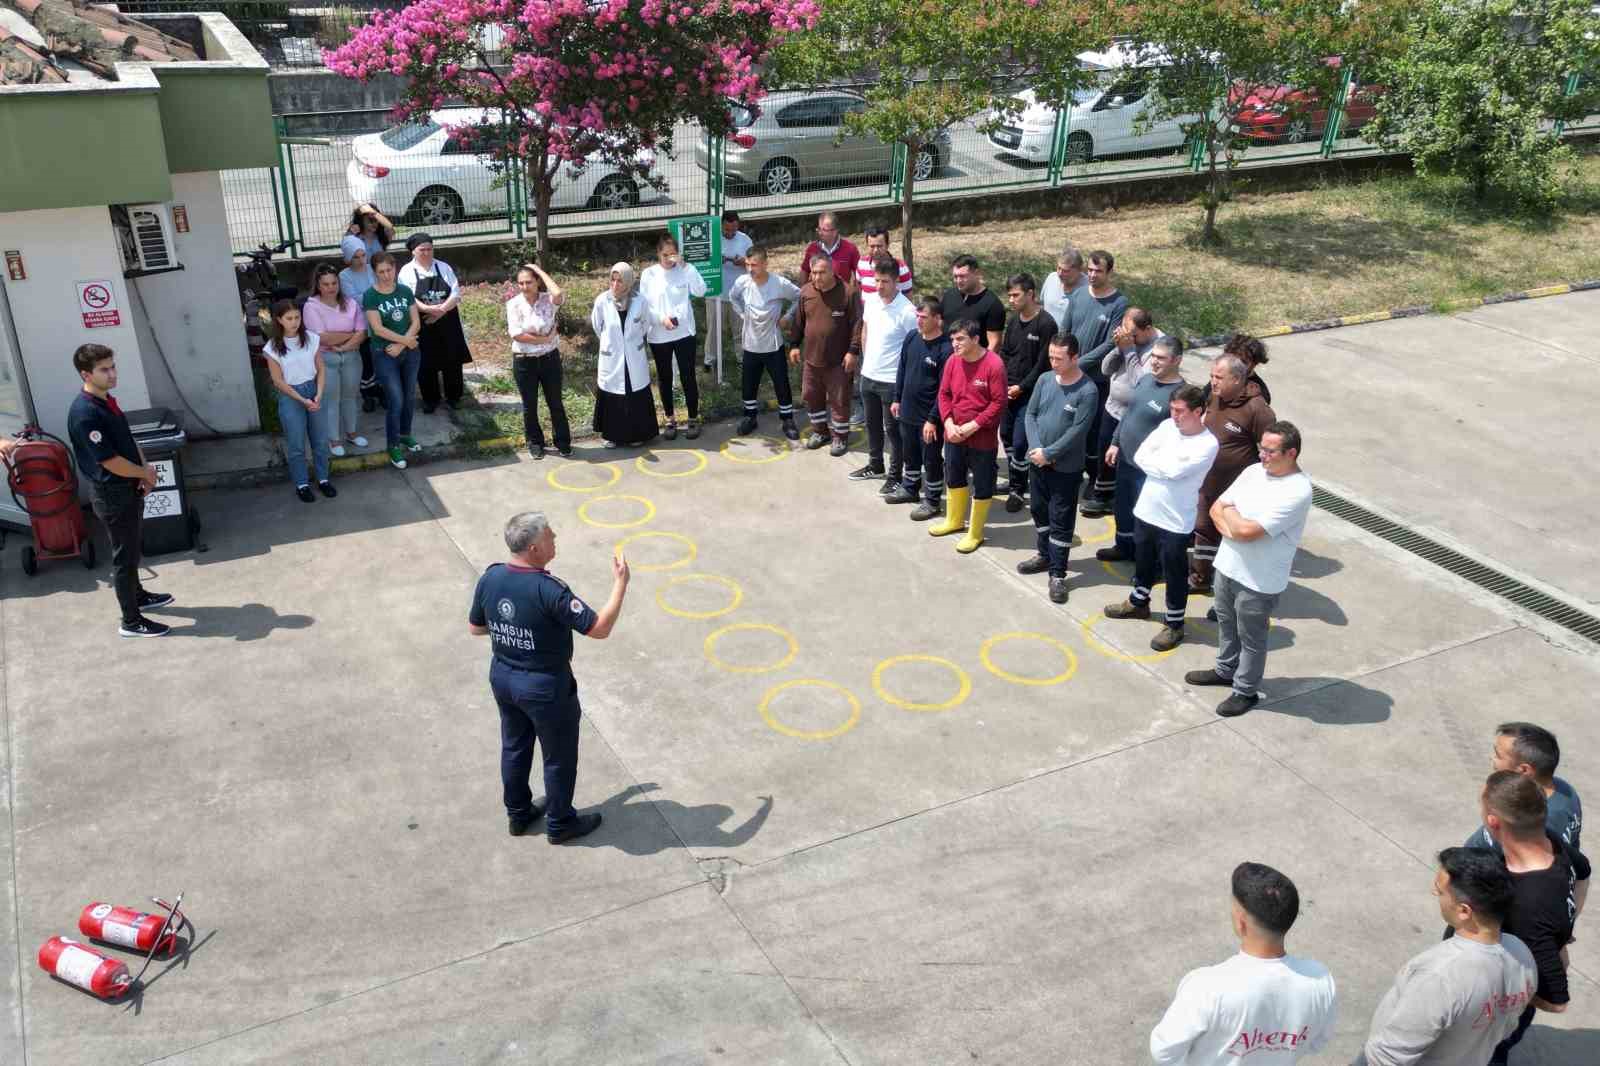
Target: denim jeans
(341,391)
(1243,619)
(398,376)
(298,423)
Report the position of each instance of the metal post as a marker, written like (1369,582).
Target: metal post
(1335,124)
(285,175)
(897,173)
(715,191)
(1571,90)
(1058,142)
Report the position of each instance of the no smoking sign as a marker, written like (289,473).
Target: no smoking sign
(98,304)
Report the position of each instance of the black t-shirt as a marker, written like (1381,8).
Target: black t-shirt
(531,616)
(99,431)
(1025,349)
(985,308)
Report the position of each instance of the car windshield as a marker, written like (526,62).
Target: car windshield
(409,135)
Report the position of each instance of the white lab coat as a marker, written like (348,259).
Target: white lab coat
(622,344)
(669,294)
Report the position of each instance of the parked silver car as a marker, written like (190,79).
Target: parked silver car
(797,137)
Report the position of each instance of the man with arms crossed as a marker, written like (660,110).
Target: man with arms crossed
(1263,1005)
(825,322)
(887,319)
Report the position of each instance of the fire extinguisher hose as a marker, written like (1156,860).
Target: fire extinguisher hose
(176,921)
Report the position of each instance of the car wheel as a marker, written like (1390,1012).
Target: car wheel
(436,206)
(615,193)
(1297,131)
(927,164)
(779,176)
(1080,149)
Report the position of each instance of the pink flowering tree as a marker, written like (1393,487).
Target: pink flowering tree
(563,82)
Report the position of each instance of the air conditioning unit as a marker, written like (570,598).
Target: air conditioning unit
(144,234)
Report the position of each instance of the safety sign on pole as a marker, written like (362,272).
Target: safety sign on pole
(699,240)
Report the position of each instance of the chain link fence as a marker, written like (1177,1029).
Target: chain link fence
(286,34)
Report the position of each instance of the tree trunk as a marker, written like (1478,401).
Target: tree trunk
(542,194)
(906,198)
(1215,186)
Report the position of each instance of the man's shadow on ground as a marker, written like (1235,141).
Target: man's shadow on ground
(249,621)
(638,829)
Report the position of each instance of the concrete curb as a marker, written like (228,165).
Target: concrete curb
(352,464)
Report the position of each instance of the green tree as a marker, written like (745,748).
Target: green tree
(1212,60)
(1479,86)
(934,63)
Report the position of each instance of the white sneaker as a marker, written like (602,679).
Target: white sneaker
(337,451)
(358,440)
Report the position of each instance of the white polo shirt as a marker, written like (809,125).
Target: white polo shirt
(1278,505)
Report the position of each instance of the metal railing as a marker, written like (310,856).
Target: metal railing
(286,34)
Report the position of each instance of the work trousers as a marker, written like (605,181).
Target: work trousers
(961,460)
(117,503)
(1054,503)
(881,425)
(1105,478)
(1130,482)
(341,392)
(681,350)
(752,366)
(1161,551)
(1014,441)
(535,372)
(825,390)
(1243,618)
(924,462)
(398,376)
(533,708)
(1206,541)
(1091,439)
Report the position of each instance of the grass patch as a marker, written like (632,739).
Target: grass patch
(499,384)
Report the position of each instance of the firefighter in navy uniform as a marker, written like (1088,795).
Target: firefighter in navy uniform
(530,615)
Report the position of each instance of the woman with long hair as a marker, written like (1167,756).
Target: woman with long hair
(536,358)
(338,321)
(297,372)
(668,287)
(624,413)
(374,230)
(393,325)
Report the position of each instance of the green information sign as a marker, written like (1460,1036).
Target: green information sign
(699,240)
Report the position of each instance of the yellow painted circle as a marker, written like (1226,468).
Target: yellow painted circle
(762,627)
(1018,679)
(694,549)
(810,734)
(555,481)
(781,453)
(1101,538)
(699,465)
(964,688)
(1109,652)
(1111,568)
(730,583)
(649,512)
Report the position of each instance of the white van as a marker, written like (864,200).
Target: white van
(1110,119)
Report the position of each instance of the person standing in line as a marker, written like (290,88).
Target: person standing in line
(923,355)
(295,364)
(887,319)
(1262,1004)
(668,287)
(736,246)
(1025,350)
(529,616)
(1122,359)
(1148,407)
(393,325)
(1237,415)
(624,413)
(443,340)
(969,297)
(1549,882)
(372,228)
(1253,353)
(866,270)
(825,324)
(1452,1004)
(114,468)
(1261,517)
(1174,459)
(354,281)
(1093,313)
(536,356)
(1059,285)
(972,394)
(764,303)
(844,256)
(1055,429)
(337,320)
(1533,750)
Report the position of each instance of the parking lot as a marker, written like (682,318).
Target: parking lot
(866,800)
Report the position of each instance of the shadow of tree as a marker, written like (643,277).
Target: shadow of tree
(1331,246)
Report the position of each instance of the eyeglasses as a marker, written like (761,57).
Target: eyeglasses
(1264,450)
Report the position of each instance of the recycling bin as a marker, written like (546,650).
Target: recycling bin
(170,521)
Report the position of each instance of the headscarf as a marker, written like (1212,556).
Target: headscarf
(626,270)
(416,240)
(351,245)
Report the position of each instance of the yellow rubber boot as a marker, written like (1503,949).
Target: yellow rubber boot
(974,537)
(955,513)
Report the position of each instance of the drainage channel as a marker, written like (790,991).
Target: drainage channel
(1485,577)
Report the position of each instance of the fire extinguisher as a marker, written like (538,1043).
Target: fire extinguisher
(128,928)
(88,968)
(98,973)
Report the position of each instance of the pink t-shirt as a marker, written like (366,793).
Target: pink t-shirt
(320,318)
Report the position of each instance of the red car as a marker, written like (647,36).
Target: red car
(1282,114)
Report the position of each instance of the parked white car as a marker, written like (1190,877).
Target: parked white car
(420,172)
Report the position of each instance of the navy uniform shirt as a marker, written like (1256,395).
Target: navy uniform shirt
(99,431)
(531,616)
(921,368)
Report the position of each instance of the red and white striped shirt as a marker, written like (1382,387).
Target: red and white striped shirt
(867,281)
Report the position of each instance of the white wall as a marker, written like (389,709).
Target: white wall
(190,327)
(59,248)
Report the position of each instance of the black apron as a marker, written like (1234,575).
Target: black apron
(444,343)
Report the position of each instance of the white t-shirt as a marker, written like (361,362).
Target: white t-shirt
(299,364)
(411,276)
(1174,466)
(735,247)
(667,294)
(1280,506)
(1451,1005)
(1268,1012)
(760,308)
(1053,296)
(883,332)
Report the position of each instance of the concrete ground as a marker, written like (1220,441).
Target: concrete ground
(1006,848)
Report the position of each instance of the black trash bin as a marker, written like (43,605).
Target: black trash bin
(170,523)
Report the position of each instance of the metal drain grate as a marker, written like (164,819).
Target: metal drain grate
(1485,577)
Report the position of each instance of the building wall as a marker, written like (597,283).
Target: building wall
(71,148)
(215,119)
(190,328)
(60,248)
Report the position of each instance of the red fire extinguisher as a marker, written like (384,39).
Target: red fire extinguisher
(128,928)
(84,966)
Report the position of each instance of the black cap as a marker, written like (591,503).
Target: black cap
(417,239)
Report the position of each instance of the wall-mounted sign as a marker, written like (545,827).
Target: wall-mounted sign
(180,218)
(14,268)
(98,304)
